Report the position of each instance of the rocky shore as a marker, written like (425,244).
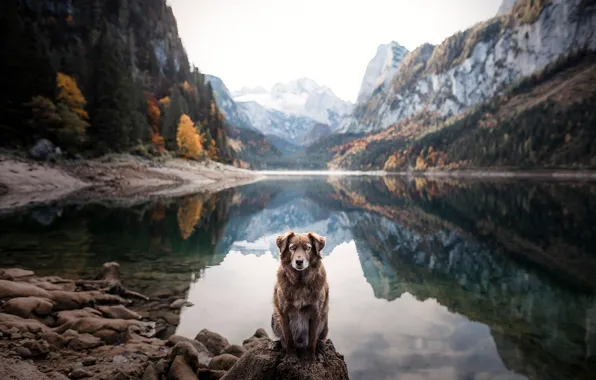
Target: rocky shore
(53,328)
(26,182)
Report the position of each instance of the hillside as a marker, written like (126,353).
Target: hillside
(103,76)
(544,121)
(475,65)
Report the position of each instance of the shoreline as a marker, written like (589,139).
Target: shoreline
(115,178)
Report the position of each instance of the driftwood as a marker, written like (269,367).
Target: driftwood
(108,280)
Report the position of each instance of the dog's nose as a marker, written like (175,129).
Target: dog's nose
(299,262)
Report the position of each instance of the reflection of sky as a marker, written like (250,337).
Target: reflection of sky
(401,339)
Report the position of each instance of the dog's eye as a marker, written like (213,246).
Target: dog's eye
(292,247)
(308,247)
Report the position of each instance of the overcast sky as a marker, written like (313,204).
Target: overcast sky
(262,42)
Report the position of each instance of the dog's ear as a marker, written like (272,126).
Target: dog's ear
(318,242)
(282,241)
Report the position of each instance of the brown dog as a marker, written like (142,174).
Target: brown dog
(301,294)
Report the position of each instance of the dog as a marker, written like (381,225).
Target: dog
(301,294)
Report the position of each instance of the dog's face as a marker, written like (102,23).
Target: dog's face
(300,250)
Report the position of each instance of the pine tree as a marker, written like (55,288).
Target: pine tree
(112,108)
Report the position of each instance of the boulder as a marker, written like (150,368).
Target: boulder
(181,370)
(223,362)
(43,150)
(15,369)
(179,303)
(13,289)
(18,324)
(204,355)
(16,273)
(234,349)
(118,312)
(24,307)
(72,315)
(214,342)
(268,361)
(84,342)
(75,300)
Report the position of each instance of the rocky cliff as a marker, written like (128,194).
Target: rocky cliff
(473,66)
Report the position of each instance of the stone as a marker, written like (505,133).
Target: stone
(179,303)
(223,362)
(23,352)
(24,307)
(172,319)
(204,355)
(150,373)
(261,333)
(36,347)
(43,150)
(12,289)
(234,349)
(214,342)
(15,369)
(16,273)
(89,361)
(79,373)
(118,312)
(84,342)
(180,370)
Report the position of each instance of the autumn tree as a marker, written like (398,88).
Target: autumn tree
(176,108)
(190,143)
(154,116)
(71,108)
(189,214)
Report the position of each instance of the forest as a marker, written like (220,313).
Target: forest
(96,77)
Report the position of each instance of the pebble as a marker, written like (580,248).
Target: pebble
(28,335)
(89,361)
(16,336)
(23,352)
(79,373)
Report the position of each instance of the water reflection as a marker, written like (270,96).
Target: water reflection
(429,279)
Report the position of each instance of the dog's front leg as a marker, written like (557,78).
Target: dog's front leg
(313,336)
(289,340)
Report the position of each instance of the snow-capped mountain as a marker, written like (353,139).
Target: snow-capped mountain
(226,103)
(275,123)
(381,69)
(291,109)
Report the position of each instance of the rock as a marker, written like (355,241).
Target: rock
(71,315)
(43,150)
(180,370)
(93,325)
(89,361)
(23,352)
(28,335)
(84,342)
(261,333)
(150,373)
(16,273)
(79,373)
(15,324)
(223,362)
(118,312)
(25,306)
(204,355)
(16,336)
(265,362)
(55,340)
(12,289)
(16,369)
(210,374)
(179,303)
(252,342)
(172,319)
(57,376)
(65,300)
(37,347)
(214,342)
(234,349)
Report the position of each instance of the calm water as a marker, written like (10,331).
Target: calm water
(429,279)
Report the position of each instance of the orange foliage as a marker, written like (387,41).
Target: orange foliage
(158,141)
(69,94)
(154,115)
(189,214)
(212,150)
(165,102)
(190,143)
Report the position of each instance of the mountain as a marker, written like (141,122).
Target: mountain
(473,66)
(506,7)
(249,144)
(290,110)
(381,69)
(101,76)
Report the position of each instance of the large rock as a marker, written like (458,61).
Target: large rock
(43,150)
(268,361)
(223,362)
(15,273)
(75,300)
(12,289)
(119,312)
(203,354)
(9,321)
(24,307)
(234,349)
(214,342)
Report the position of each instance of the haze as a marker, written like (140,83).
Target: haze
(263,42)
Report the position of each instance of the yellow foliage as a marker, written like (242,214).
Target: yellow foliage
(158,141)
(212,151)
(190,144)
(165,102)
(185,86)
(69,94)
(189,214)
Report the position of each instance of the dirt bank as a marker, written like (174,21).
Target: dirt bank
(97,328)
(24,182)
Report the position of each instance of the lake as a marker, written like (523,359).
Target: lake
(429,279)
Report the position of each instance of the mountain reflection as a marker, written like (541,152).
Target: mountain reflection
(454,279)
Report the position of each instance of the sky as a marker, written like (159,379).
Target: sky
(262,42)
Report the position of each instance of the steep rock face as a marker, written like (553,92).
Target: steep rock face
(473,66)
(381,69)
(226,103)
(506,7)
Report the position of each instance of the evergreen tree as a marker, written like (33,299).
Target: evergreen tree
(112,107)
